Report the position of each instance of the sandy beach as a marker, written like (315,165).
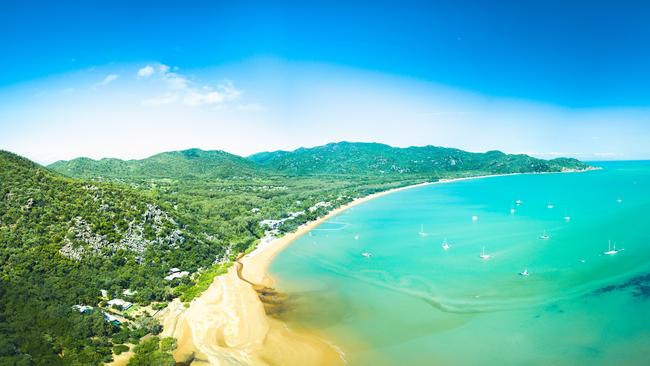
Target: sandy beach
(228,325)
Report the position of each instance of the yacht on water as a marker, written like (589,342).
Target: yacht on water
(474,218)
(524,273)
(512,211)
(356,237)
(550,205)
(567,218)
(518,202)
(445,245)
(484,255)
(366,254)
(611,251)
(422,233)
(544,236)
(619,200)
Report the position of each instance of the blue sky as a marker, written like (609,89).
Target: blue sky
(546,77)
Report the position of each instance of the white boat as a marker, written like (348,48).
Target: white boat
(619,200)
(567,218)
(524,273)
(512,211)
(474,218)
(611,251)
(366,254)
(445,245)
(483,255)
(544,236)
(356,237)
(550,205)
(518,202)
(422,233)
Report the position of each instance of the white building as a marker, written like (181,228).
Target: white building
(129,292)
(175,275)
(319,205)
(124,305)
(83,308)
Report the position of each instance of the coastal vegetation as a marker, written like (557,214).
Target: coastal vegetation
(80,233)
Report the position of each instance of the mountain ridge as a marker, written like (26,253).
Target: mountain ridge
(337,158)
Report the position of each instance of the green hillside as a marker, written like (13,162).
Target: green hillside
(379,159)
(343,158)
(62,240)
(187,163)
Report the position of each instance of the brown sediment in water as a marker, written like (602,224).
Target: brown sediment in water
(275,303)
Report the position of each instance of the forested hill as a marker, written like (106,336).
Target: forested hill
(380,159)
(343,158)
(61,241)
(177,164)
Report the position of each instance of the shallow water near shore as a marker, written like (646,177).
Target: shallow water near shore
(414,303)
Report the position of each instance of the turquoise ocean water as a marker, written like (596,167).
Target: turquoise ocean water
(414,303)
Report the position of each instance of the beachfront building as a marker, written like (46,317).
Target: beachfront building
(122,304)
(176,273)
(319,205)
(111,319)
(293,215)
(271,224)
(83,309)
(129,292)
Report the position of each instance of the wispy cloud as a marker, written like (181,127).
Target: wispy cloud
(146,71)
(108,79)
(179,89)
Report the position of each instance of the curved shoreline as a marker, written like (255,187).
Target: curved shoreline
(228,324)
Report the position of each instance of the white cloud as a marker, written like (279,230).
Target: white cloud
(108,79)
(146,71)
(176,81)
(178,88)
(225,92)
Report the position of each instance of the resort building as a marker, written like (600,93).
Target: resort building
(122,304)
(176,273)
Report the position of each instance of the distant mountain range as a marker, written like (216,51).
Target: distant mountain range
(342,158)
